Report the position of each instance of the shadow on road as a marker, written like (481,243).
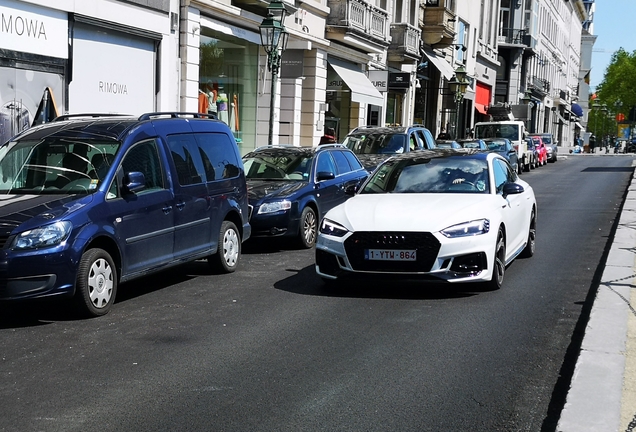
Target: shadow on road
(306,282)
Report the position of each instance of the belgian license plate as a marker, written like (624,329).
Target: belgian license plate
(389,255)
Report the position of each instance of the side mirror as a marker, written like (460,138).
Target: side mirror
(512,188)
(325,175)
(134,181)
(351,190)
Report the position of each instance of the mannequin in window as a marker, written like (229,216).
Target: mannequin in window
(222,106)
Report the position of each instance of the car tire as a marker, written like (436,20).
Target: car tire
(499,264)
(528,251)
(226,258)
(95,283)
(308,229)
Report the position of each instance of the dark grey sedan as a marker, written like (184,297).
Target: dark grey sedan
(504,147)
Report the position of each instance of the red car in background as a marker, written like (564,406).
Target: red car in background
(541,149)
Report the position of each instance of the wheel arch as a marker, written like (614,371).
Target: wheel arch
(110,246)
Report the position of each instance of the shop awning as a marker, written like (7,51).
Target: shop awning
(441,64)
(481,108)
(576,109)
(231,30)
(578,125)
(482,96)
(560,118)
(362,89)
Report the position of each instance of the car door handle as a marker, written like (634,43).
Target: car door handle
(167,209)
(181,205)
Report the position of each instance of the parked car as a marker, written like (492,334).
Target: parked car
(541,151)
(447,144)
(290,188)
(374,144)
(534,154)
(478,144)
(503,146)
(551,146)
(93,201)
(442,216)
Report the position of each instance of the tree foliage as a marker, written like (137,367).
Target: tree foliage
(619,82)
(615,94)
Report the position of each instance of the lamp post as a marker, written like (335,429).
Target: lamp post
(604,110)
(274,40)
(458,85)
(595,108)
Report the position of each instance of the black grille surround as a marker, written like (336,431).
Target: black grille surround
(424,243)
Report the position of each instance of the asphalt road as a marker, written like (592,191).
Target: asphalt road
(266,349)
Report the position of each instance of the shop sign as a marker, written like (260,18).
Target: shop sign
(109,82)
(380,79)
(399,80)
(25,27)
(291,65)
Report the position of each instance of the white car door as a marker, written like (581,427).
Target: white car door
(513,210)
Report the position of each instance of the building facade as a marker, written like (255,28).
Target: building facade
(61,57)
(348,63)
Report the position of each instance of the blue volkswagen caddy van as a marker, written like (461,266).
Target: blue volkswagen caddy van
(89,201)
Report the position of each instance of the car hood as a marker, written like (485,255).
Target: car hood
(411,212)
(259,190)
(36,209)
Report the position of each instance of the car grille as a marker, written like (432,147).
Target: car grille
(425,243)
(3,240)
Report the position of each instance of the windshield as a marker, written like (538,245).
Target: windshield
(497,130)
(53,166)
(457,174)
(376,143)
(287,167)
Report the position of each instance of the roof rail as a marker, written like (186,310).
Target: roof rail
(173,114)
(277,146)
(336,145)
(89,115)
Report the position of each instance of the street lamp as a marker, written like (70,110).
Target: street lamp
(274,40)
(458,85)
(605,110)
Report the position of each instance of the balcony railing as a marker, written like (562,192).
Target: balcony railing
(514,36)
(539,85)
(405,39)
(359,16)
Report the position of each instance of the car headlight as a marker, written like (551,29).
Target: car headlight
(49,235)
(331,228)
(274,206)
(476,227)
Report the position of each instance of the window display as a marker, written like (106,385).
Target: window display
(227,83)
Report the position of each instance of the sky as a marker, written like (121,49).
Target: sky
(611,33)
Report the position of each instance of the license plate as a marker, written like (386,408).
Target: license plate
(389,255)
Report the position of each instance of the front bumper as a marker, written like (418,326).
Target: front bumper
(457,260)
(38,273)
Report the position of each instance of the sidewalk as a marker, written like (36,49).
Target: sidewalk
(602,395)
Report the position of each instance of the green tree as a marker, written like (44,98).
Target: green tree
(617,92)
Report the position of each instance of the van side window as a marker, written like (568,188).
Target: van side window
(183,148)
(219,156)
(144,158)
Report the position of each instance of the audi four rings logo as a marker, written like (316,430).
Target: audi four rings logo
(391,240)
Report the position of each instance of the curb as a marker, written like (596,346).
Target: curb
(602,395)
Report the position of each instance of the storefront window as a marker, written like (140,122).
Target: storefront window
(228,83)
